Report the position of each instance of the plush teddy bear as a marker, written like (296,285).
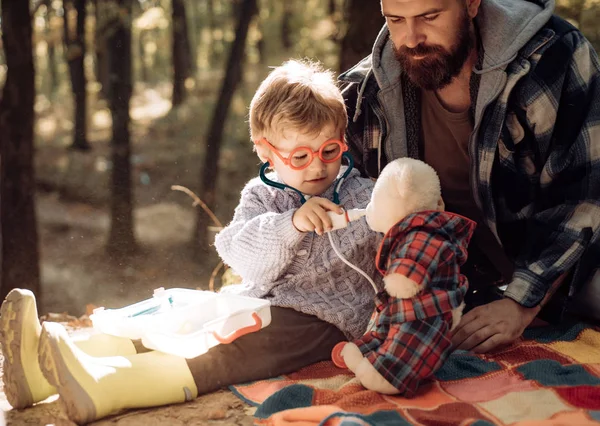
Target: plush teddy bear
(419,258)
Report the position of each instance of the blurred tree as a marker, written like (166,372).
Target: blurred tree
(572,10)
(332,8)
(334,16)
(260,41)
(585,14)
(50,39)
(74,40)
(214,137)
(194,40)
(143,37)
(101,62)
(210,7)
(121,239)
(212,25)
(286,25)
(364,20)
(181,51)
(19,260)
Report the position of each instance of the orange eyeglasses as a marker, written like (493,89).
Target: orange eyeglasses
(301,157)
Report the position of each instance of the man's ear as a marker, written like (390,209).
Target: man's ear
(473,8)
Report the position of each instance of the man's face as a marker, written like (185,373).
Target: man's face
(432,38)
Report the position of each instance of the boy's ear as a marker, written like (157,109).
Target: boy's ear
(263,153)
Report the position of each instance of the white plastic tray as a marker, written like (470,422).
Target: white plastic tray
(184,322)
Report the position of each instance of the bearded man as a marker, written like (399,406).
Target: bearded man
(502,98)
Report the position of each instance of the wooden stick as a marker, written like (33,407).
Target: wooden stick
(198,202)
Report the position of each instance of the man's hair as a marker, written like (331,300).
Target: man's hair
(298,95)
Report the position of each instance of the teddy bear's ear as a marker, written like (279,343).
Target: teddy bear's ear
(392,178)
(405,186)
(404,181)
(419,184)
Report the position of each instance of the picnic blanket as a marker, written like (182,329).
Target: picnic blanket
(551,376)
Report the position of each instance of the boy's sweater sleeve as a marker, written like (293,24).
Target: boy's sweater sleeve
(260,242)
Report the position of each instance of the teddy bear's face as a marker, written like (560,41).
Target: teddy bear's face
(385,208)
(405,186)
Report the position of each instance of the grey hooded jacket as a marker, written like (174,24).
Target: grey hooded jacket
(535,148)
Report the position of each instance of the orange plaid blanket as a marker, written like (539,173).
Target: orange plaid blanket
(550,377)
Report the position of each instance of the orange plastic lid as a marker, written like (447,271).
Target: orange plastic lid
(336,355)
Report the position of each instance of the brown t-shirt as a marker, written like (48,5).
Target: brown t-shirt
(445,137)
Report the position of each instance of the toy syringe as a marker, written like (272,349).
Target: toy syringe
(342,220)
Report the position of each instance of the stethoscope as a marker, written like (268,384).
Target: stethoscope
(336,200)
(336,186)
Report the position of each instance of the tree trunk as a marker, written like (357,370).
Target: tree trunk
(261,45)
(286,25)
(52,70)
(365,21)
(199,23)
(181,52)
(192,32)
(332,8)
(213,51)
(335,17)
(214,137)
(121,240)
(101,63)
(141,42)
(18,229)
(210,6)
(74,39)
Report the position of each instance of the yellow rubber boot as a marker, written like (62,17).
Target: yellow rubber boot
(91,388)
(100,344)
(24,383)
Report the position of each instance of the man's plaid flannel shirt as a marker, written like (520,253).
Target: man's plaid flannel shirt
(411,337)
(535,169)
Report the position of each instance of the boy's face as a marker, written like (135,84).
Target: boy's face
(318,176)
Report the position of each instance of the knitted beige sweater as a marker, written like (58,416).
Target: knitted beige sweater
(301,270)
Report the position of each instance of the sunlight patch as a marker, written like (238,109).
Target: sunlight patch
(155,108)
(46,126)
(102,118)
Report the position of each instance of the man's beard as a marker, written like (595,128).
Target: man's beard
(438,66)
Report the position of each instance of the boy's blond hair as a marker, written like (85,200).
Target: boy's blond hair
(298,95)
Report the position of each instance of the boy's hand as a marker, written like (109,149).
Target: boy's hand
(312,216)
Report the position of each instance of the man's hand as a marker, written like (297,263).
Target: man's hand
(312,216)
(491,326)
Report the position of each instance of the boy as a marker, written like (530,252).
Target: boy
(297,123)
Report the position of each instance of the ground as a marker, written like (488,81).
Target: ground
(73,225)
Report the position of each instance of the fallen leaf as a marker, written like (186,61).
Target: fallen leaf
(217,415)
